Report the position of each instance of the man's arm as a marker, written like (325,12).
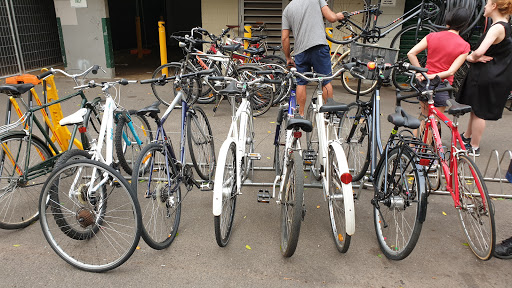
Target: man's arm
(331,16)
(285,41)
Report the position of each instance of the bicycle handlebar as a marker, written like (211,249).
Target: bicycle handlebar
(316,77)
(52,71)
(165,79)
(93,84)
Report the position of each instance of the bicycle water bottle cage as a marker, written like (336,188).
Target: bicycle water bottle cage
(15,90)
(299,123)
(457,109)
(401,119)
(332,106)
(232,89)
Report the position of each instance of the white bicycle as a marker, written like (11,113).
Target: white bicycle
(236,153)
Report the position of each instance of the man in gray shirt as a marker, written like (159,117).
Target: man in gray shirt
(304,18)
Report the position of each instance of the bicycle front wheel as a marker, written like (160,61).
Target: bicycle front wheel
(355,135)
(18,197)
(97,203)
(312,143)
(476,212)
(200,143)
(337,207)
(350,83)
(261,96)
(292,202)
(165,93)
(350,29)
(155,181)
(224,222)
(399,196)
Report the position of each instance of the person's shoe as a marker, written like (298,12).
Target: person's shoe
(464,139)
(509,177)
(472,151)
(504,250)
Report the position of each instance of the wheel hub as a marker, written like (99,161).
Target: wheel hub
(85,217)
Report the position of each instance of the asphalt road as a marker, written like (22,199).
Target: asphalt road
(252,257)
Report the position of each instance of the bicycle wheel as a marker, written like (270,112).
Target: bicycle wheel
(397,204)
(476,211)
(292,204)
(274,59)
(18,197)
(247,162)
(350,83)
(350,29)
(357,146)
(127,149)
(280,142)
(337,205)
(224,222)
(207,96)
(200,143)
(166,93)
(312,143)
(113,229)
(155,181)
(261,96)
(404,40)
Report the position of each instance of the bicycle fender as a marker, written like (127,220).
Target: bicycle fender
(18,132)
(217,186)
(348,193)
(422,212)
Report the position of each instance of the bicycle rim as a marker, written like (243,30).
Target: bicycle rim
(224,222)
(201,143)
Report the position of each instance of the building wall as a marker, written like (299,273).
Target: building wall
(85,42)
(216,14)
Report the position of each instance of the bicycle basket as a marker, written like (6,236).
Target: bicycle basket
(367,53)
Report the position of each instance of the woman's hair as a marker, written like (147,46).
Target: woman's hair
(458,19)
(503,6)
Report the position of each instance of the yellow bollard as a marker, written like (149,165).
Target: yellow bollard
(328,31)
(247,34)
(163,46)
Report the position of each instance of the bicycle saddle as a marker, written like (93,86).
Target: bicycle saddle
(457,109)
(231,90)
(153,108)
(332,107)
(274,48)
(75,118)
(15,90)
(299,123)
(402,119)
(231,48)
(255,51)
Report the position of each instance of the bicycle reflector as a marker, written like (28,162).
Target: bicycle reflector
(297,134)
(424,162)
(346,178)
(371,65)
(82,129)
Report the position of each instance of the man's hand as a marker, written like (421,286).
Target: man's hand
(290,62)
(340,16)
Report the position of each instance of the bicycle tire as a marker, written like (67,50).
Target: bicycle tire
(201,143)
(119,222)
(280,143)
(397,215)
(349,30)
(128,154)
(159,196)
(247,162)
(480,221)
(166,93)
(292,204)
(261,96)
(207,96)
(404,40)
(350,84)
(312,143)
(357,147)
(337,205)
(224,222)
(18,203)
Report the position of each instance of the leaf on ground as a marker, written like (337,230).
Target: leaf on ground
(317,206)
(248,247)
(272,122)
(268,158)
(465,244)
(16,245)
(287,278)
(269,132)
(379,255)
(138,248)
(245,217)
(444,213)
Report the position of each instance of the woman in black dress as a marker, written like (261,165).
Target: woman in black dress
(489,80)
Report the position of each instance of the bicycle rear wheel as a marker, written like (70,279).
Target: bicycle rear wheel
(18,197)
(397,203)
(110,217)
(292,204)
(261,95)
(348,30)
(476,212)
(155,181)
(166,93)
(224,222)
(312,143)
(200,143)
(350,84)
(280,141)
(357,146)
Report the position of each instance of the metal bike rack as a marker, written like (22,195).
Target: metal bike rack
(249,182)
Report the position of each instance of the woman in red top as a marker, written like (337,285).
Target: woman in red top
(447,51)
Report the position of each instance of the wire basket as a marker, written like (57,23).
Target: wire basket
(368,53)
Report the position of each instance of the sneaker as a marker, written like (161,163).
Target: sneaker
(464,139)
(509,177)
(504,250)
(472,151)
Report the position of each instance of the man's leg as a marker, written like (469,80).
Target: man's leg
(301,98)
(327,91)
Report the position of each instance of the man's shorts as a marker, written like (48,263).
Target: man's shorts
(318,57)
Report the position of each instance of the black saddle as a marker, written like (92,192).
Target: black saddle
(255,51)
(15,90)
(299,123)
(153,108)
(232,89)
(274,48)
(231,48)
(401,119)
(457,109)
(332,107)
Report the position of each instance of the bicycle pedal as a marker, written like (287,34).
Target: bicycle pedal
(206,186)
(254,156)
(263,196)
